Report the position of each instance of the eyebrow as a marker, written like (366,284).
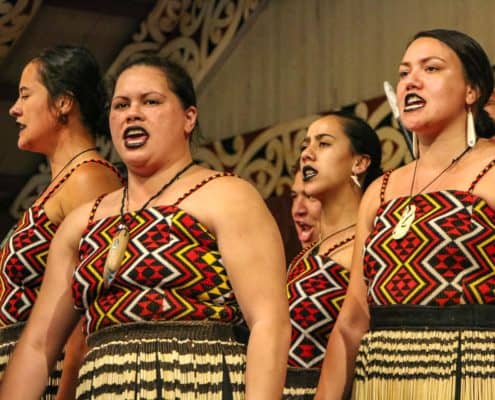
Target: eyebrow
(422,61)
(125,97)
(319,136)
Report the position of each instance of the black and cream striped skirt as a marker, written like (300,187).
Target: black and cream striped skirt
(301,383)
(165,360)
(427,353)
(8,338)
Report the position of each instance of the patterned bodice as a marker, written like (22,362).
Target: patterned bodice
(172,271)
(446,258)
(23,260)
(316,286)
(24,255)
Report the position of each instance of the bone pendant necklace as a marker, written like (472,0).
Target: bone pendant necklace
(405,222)
(409,213)
(116,253)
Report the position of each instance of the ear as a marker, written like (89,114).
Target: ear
(64,104)
(472,94)
(361,164)
(191,117)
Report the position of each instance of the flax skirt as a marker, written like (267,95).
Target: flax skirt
(427,353)
(8,338)
(164,360)
(301,383)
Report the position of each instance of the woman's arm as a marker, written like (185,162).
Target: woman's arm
(251,247)
(353,320)
(75,350)
(51,321)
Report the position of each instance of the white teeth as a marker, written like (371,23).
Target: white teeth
(413,102)
(308,173)
(413,98)
(134,132)
(413,107)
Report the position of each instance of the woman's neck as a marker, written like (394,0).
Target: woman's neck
(339,210)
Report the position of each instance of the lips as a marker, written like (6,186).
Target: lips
(304,231)
(308,173)
(20,126)
(413,102)
(135,137)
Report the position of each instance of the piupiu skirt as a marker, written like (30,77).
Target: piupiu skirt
(427,353)
(165,360)
(301,383)
(8,338)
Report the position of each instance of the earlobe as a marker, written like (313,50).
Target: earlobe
(191,115)
(64,104)
(472,95)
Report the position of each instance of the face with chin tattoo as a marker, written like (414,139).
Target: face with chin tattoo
(149,125)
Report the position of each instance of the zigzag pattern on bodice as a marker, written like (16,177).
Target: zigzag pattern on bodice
(172,270)
(316,287)
(447,257)
(23,261)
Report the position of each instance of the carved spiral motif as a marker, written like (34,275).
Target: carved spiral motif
(14,18)
(194,33)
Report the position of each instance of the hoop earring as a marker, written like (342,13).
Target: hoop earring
(415,145)
(355,180)
(470,129)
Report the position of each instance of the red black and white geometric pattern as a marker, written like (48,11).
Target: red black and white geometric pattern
(24,254)
(316,287)
(23,260)
(172,271)
(446,258)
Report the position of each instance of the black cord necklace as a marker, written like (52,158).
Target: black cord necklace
(407,217)
(310,248)
(69,162)
(119,242)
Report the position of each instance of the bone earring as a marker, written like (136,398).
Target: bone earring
(470,129)
(355,180)
(415,145)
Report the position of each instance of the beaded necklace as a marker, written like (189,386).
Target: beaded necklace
(121,239)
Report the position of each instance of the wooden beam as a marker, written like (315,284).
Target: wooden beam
(137,9)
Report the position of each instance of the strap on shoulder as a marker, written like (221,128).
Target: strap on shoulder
(487,168)
(200,185)
(385,179)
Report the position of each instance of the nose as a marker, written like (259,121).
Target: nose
(307,154)
(15,110)
(412,80)
(299,207)
(134,113)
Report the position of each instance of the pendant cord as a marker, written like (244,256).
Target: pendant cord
(70,161)
(454,161)
(308,249)
(65,166)
(125,194)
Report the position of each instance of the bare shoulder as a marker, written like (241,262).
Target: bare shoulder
(371,199)
(482,173)
(226,199)
(97,174)
(221,188)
